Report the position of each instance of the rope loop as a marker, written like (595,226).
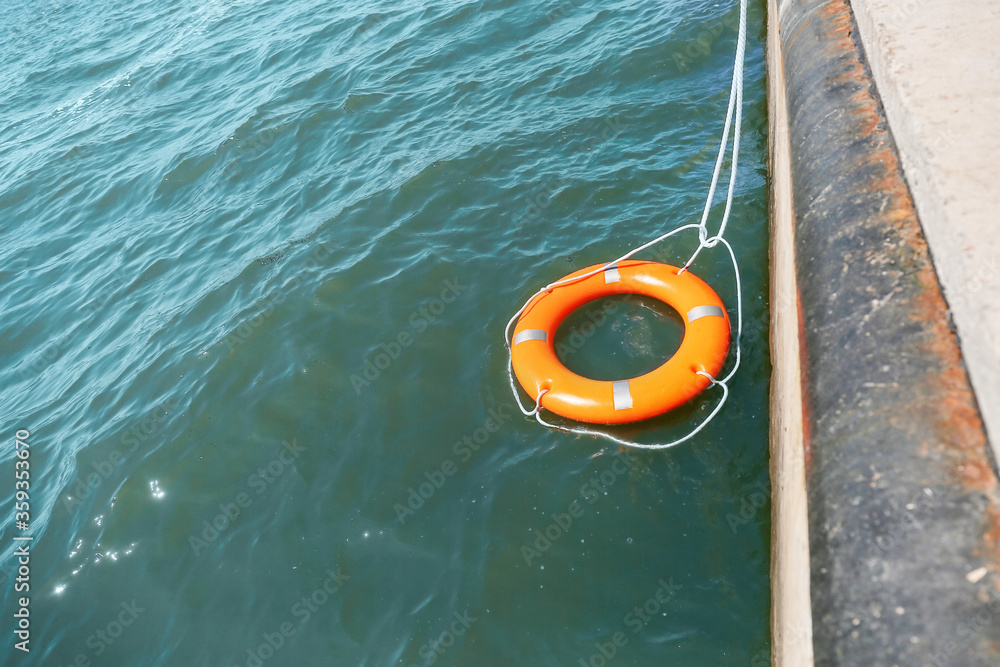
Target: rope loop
(639,445)
(538,401)
(710,378)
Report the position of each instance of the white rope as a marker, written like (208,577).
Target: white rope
(637,445)
(734,119)
(735,100)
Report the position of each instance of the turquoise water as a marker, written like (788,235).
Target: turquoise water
(257,260)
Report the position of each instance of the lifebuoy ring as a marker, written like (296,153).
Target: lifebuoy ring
(704,347)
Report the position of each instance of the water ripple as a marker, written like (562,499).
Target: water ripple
(258,257)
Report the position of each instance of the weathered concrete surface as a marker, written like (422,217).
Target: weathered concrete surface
(791,614)
(904,520)
(937,67)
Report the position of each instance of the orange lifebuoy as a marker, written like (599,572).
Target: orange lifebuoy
(704,347)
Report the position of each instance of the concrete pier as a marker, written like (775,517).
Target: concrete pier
(936,66)
(877,434)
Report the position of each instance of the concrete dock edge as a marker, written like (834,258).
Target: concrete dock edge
(791,617)
(900,488)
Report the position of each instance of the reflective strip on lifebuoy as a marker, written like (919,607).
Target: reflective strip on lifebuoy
(531,334)
(623,395)
(704,347)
